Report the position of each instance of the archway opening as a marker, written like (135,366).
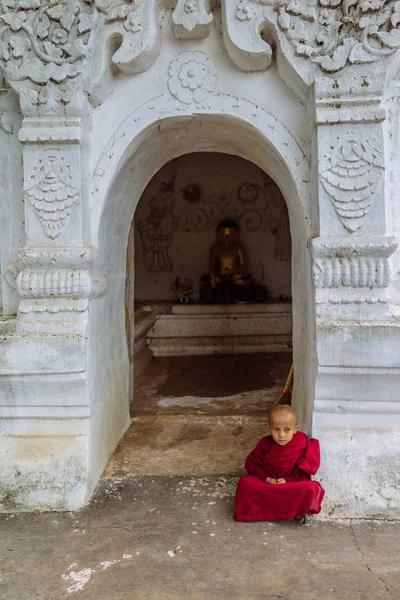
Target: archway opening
(129,165)
(208,314)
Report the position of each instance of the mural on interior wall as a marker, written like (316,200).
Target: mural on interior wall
(156,231)
(255,208)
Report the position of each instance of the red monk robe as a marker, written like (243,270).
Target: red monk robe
(295,462)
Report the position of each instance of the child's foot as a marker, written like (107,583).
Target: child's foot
(302,519)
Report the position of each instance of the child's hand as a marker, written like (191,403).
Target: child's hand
(271,481)
(281,480)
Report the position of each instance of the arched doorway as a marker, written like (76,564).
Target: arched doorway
(129,166)
(208,352)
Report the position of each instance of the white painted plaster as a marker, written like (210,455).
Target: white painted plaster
(360,470)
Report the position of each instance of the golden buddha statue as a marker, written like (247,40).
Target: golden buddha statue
(228,280)
(228,255)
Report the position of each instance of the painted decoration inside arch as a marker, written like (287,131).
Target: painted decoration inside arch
(188,210)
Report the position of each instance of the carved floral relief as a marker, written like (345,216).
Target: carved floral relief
(355,170)
(245,11)
(335,33)
(44,41)
(52,191)
(192,77)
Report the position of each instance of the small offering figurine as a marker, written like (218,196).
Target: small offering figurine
(182,290)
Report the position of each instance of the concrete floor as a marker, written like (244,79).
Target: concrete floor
(160,526)
(173,538)
(182,445)
(199,415)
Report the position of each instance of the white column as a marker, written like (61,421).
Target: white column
(357,406)
(45,407)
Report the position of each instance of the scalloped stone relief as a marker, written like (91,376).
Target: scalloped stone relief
(52,192)
(242,22)
(356,167)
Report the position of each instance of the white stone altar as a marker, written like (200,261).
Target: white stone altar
(197,329)
(95,98)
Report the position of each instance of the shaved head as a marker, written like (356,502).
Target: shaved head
(282,409)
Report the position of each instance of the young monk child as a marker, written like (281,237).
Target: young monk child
(279,484)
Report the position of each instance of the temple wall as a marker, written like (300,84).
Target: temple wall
(84,130)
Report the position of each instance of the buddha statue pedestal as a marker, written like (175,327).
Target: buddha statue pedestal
(229,280)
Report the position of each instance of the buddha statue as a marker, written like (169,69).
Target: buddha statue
(228,280)
(228,255)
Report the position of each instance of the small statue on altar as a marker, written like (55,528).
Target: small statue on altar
(182,290)
(229,280)
(228,255)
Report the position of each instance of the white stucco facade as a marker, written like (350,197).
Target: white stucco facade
(95,101)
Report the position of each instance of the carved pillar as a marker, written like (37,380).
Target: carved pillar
(48,415)
(351,258)
(54,265)
(44,389)
(352,273)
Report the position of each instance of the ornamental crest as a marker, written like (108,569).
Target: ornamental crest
(356,168)
(52,191)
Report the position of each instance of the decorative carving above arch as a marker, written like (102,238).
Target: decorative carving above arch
(49,49)
(241,23)
(191,19)
(64,42)
(336,33)
(192,77)
(43,42)
(330,34)
(137,24)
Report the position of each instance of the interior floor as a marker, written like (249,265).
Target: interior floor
(199,415)
(222,384)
